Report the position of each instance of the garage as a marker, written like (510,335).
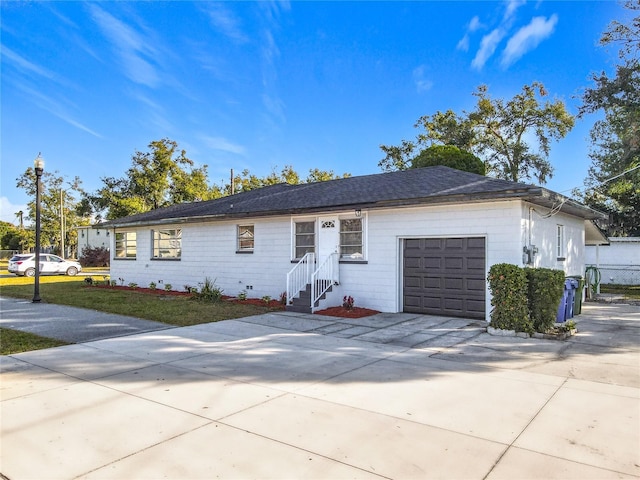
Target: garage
(444,276)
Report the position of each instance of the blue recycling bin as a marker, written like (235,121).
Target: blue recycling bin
(561,316)
(571,287)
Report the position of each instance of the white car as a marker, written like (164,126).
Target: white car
(25,264)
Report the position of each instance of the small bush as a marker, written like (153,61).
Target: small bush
(152,285)
(242,295)
(508,285)
(209,292)
(95,257)
(348,302)
(283,298)
(167,287)
(545,289)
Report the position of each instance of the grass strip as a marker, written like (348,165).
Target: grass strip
(14,341)
(173,310)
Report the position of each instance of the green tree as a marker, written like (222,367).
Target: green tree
(497,131)
(317,175)
(160,177)
(613,182)
(449,156)
(58,207)
(15,238)
(246,181)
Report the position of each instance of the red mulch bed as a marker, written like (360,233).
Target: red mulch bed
(355,312)
(157,291)
(272,304)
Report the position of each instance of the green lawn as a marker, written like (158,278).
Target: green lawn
(631,292)
(73,291)
(14,341)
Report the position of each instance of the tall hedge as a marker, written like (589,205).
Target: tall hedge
(546,287)
(508,285)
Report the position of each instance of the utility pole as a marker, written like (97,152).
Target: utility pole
(232,183)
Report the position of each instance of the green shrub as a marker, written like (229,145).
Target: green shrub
(546,287)
(508,285)
(209,292)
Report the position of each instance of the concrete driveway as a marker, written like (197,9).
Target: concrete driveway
(297,396)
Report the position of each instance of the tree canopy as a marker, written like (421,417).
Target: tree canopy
(449,156)
(613,182)
(164,176)
(246,181)
(497,131)
(58,208)
(160,177)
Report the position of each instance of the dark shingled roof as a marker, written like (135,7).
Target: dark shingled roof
(430,185)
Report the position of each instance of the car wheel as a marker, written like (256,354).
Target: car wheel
(30,272)
(72,271)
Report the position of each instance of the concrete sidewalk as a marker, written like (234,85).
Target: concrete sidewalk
(297,396)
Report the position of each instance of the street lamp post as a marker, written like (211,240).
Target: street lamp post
(38,165)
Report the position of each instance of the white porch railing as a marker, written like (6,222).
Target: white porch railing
(325,276)
(300,276)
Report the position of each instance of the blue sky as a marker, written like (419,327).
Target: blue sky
(261,85)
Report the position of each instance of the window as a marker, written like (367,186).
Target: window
(167,243)
(351,239)
(245,238)
(560,242)
(305,238)
(125,245)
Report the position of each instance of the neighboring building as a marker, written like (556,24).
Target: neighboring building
(618,261)
(420,240)
(92,237)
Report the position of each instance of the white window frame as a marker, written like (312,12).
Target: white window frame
(243,235)
(345,257)
(560,242)
(167,240)
(295,235)
(125,245)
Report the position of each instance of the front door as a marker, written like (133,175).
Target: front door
(328,237)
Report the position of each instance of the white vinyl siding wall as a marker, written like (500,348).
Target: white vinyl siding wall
(209,250)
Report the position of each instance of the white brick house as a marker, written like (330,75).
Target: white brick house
(420,240)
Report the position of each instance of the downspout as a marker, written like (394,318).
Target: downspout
(598,265)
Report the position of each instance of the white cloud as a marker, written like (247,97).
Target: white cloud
(474,24)
(225,22)
(512,6)
(420,80)
(25,65)
(222,144)
(136,53)
(8,211)
(528,38)
(56,108)
(488,46)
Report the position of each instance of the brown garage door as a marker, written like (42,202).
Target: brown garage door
(444,276)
